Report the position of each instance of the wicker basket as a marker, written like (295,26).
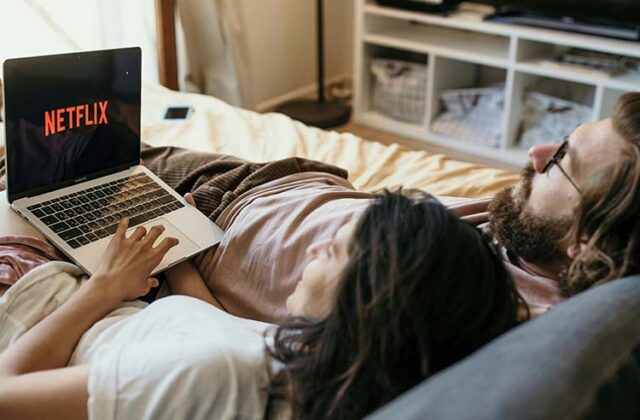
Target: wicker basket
(548,119)
(399,89)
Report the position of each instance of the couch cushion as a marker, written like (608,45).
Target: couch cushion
(581,360)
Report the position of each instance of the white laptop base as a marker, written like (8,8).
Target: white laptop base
(194,230)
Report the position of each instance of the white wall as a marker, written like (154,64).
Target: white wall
(280,37)
(281,43)
(36,27)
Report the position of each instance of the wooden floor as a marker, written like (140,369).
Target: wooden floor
(388,138)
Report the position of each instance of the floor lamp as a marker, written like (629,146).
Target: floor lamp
(318,112)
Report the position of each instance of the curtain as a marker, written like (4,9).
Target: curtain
(212,50)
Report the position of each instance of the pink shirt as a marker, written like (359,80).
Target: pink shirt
(267,231)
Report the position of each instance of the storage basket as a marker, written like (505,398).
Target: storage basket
(474,114)
(549,119)
(399,89)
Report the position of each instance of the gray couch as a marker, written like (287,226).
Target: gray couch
(579,361)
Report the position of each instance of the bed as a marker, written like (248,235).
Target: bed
(609,390)
(221,128)
(218,127)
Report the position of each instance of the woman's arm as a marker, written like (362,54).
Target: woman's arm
(50,394)
(51,391)
(33,380)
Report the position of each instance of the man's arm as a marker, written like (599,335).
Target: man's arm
(185,279)
(472,211)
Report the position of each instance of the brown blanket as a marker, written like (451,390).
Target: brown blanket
(214,180)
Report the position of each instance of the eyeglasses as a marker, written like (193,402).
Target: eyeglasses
(556,159)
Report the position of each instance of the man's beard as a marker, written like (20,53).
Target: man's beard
(535,239)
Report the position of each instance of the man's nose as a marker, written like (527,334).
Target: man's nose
(540,154)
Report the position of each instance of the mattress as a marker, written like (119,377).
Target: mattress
(217,127)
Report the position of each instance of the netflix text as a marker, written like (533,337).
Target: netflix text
(62,119)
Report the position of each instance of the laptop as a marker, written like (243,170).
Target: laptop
(73,157)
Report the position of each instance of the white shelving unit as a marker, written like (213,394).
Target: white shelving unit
(462,50)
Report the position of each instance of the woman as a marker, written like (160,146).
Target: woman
(394,297)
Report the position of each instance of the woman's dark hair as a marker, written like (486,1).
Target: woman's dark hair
(422,290)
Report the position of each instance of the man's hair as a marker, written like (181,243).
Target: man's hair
(422,289)
(609,213)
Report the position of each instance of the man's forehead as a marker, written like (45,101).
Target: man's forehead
(593,144)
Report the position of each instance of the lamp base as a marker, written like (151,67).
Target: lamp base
(315,113)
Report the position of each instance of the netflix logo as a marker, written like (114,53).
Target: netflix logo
(62,119)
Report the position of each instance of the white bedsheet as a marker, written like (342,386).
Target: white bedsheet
(221,128)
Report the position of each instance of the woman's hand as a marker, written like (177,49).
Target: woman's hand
(127,264)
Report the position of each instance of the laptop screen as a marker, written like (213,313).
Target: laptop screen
(70,118)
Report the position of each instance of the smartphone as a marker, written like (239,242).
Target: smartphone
(178,112)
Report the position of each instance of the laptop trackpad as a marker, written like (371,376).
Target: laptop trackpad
(185,248)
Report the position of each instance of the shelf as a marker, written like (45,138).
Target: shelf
(512,156)
(461,45)
(467,17)
(378,120)
(515,156)
(630,81)
(471,17)
(464,51)
(609,100)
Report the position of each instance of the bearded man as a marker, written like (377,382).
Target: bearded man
(573,217)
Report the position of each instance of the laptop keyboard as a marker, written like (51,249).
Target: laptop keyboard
(92,214)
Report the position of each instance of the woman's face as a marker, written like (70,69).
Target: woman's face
(315,293)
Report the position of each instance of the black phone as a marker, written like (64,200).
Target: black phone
(178,112)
